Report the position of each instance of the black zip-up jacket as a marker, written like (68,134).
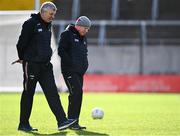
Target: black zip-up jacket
(73,51)
(35,40)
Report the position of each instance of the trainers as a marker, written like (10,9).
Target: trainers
(77,127)
(66,124)
(26,128)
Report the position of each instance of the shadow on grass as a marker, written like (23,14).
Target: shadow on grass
(64,133)
(85,132)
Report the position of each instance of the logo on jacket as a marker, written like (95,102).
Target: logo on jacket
(31,77)
(40,30)
(76,40)
(69,77)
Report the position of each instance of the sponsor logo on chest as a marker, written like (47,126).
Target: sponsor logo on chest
(39,27)
(40,30)
(77,40)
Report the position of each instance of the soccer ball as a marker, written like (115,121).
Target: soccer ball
(97,113)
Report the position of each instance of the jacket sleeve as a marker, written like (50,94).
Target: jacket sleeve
(64,45)
(24,38)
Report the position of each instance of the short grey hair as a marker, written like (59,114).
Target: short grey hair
(47,5)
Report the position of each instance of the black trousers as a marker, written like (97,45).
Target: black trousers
(42,73)
(74,82)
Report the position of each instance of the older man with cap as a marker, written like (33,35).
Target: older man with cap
(34,53)
(74,63)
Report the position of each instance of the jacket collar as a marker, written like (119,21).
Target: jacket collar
(71,27)
(38,17)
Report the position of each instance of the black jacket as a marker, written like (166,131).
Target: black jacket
(73,51)
(35,40)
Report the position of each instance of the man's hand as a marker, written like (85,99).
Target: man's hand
(17,61)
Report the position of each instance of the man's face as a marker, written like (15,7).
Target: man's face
(82,30)
(48,15)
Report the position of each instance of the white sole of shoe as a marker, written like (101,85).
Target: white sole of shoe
(66,126)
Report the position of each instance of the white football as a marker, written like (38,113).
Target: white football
(97,113)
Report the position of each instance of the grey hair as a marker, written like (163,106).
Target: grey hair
(47,5)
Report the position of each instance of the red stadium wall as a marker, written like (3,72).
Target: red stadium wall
(132,83)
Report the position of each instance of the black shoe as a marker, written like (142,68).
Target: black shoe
(26,128)
(77,127)
(66,124)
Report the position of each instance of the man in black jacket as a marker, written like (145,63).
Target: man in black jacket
(74,63)
(34,53)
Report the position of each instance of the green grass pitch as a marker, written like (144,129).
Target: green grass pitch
(133,114)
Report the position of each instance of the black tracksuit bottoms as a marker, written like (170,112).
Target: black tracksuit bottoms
(42,73)
(74,82)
